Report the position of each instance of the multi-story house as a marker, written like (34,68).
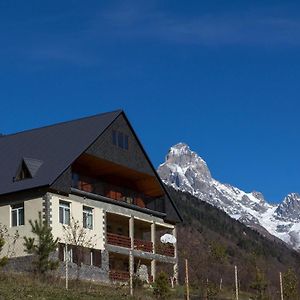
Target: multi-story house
(94,171)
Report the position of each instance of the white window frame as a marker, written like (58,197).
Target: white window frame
(91,257)
(69,254)
(65,206)
(17,210)
(88,211)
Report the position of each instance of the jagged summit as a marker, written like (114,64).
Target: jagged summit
(289,209)
(185,170)
(184,167)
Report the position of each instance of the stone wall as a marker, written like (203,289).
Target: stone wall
(24,264)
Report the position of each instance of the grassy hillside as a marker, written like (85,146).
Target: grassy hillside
(214,243)
(18,286)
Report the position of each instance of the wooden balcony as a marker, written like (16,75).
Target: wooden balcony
(142,245)
(117,275)
(118,240)
(165,249)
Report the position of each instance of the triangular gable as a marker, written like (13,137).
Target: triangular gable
(22,172)
(27,168)
(130,153)
(119,144)
(33,165)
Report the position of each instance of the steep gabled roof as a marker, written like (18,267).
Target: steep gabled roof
(47,151)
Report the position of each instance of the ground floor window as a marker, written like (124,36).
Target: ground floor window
(80,255)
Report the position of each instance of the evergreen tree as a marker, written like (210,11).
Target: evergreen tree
(260,284)
(41,246)
(289,282)
(161,287)
(4,259)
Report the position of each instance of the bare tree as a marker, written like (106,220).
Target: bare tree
(10,241)
(80,240)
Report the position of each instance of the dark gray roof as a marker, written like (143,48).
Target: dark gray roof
(47,151)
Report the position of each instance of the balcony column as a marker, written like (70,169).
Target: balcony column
(153,234)
(175,267)
(104,253)
(131,231)
(104,228)
(153,261)
(131,259)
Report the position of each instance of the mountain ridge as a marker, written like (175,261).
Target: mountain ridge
(186,171)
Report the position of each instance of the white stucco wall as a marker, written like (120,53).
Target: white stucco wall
(32,208)
(76,208)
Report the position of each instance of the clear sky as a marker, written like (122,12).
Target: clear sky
(222,76)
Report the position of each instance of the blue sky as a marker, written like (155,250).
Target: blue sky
(222,76)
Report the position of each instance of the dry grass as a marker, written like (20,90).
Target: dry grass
(20,286)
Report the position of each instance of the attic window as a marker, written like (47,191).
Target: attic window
(28,168)
(120,139)
(23,173)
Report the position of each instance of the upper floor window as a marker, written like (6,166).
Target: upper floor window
(17,214)
(87,217)
(120,139)
(64,212)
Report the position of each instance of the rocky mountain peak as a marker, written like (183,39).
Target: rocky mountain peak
(289,209)
(181,155)
(184,167)
(185,170)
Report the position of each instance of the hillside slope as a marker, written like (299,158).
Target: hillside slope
(214,243)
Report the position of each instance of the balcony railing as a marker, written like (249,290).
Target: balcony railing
(125,241)
(165,249)
(117,275)
(118,193)
(147,246)
(118,240)
(142,245)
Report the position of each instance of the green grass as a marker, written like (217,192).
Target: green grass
(20,286)
(16,286)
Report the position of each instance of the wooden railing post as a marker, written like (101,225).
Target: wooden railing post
(131,259)
(153,261)
(175,267)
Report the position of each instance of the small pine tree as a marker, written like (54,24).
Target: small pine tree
(42,246)
(260,284)
(4,259)
(161,289)
(290,282)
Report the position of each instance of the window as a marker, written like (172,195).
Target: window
(17,214)
(62,255)
(126,142)
(120,139)
(114,136)
(80,255)
(64,212)
(96,257)
(87,217)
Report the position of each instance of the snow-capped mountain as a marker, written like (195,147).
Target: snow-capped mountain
(185,170)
